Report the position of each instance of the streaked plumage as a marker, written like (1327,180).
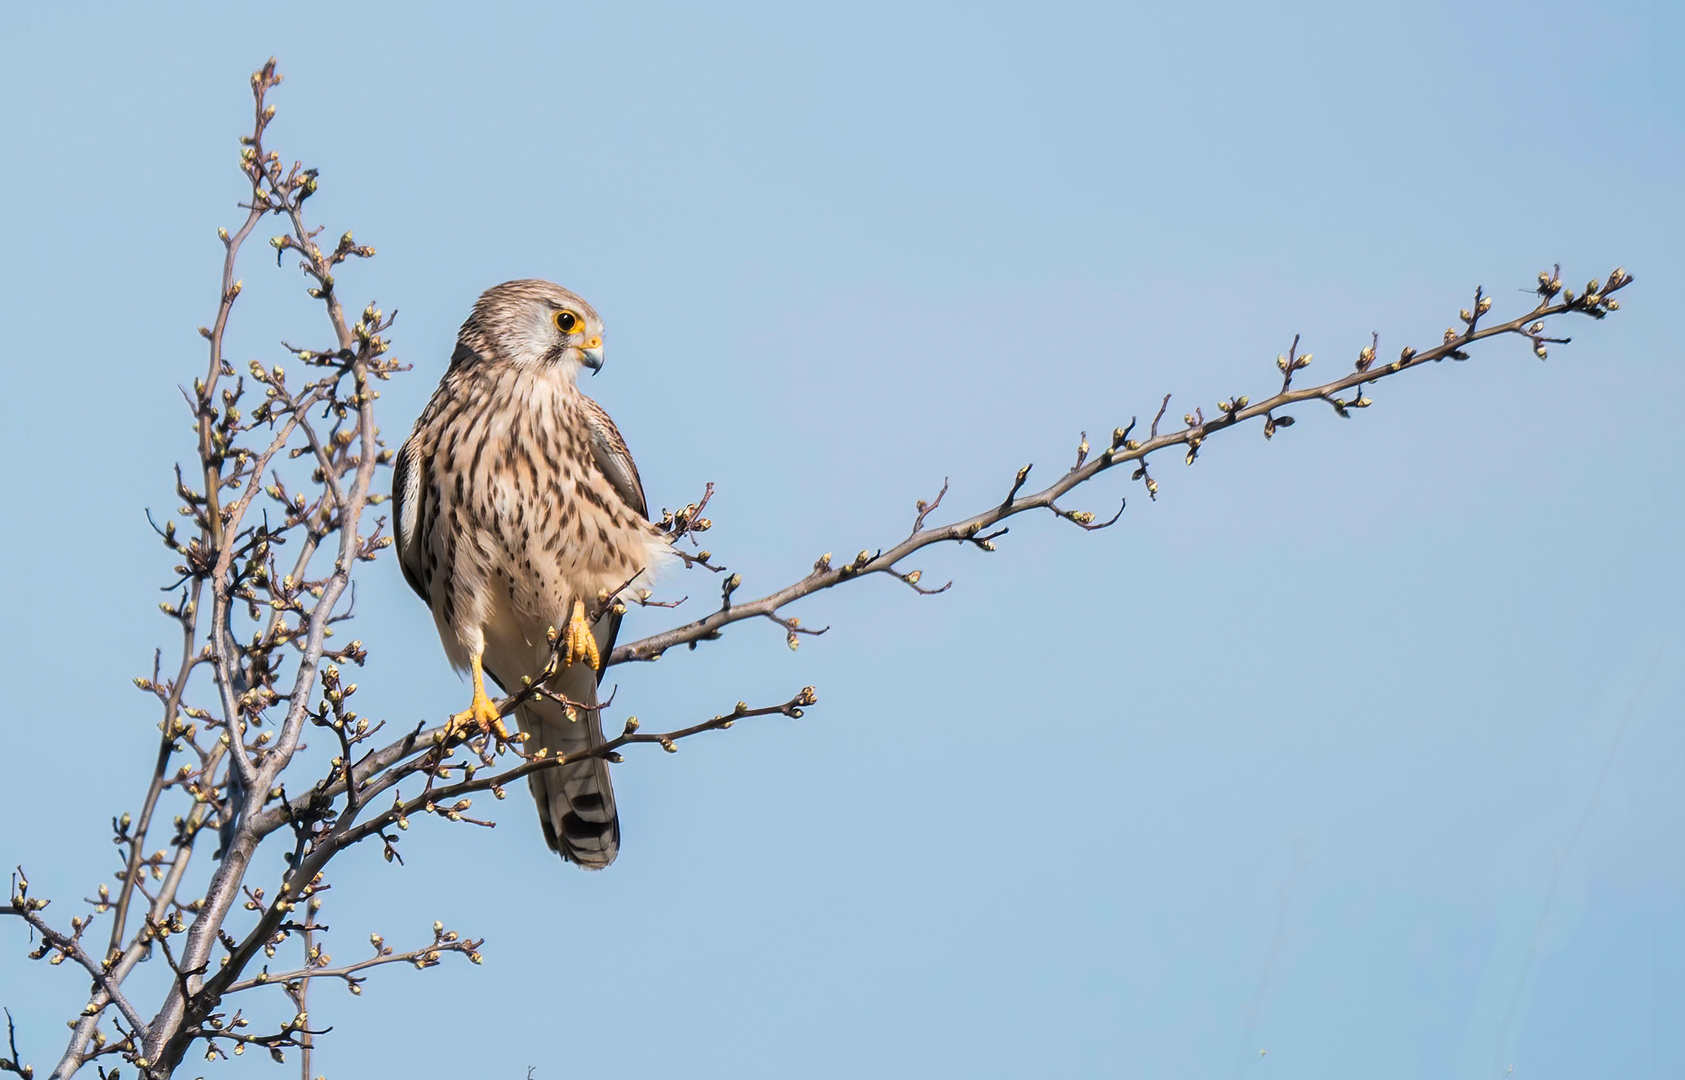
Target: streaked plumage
(515,497)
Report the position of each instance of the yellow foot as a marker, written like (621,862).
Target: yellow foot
(581,643)
(480,717)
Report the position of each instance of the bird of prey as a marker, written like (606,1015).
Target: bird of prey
(518,507)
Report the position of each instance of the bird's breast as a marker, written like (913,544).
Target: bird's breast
(532,518)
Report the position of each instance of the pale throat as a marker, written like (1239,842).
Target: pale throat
(541,389)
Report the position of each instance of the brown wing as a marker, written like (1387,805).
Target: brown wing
(611,455)
(609,451)
(409,484)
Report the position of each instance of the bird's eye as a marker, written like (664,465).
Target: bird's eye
(567,322)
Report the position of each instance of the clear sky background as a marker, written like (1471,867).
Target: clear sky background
(1046,824)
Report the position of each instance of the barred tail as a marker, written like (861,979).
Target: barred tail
(575,801)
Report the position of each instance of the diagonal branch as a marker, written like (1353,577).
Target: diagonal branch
(69,948)
(975,530)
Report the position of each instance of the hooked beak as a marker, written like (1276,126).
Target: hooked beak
(592,354)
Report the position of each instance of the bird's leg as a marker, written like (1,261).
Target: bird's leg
(481,715)
(581,643)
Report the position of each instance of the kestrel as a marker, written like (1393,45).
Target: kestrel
(518,507)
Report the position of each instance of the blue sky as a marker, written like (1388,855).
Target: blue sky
(1045,824)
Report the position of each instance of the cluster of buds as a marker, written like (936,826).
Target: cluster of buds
(686,520)
(346,248)
(20,895)
(1482,304)
(1594,301)
(1121,439)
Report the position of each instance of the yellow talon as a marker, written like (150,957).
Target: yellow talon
(481,715)
(581,643)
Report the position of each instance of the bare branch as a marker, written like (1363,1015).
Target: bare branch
(14,1064)
(424,957)
(63,947)
(1596,302)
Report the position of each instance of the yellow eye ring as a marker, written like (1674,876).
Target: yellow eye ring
(567,322)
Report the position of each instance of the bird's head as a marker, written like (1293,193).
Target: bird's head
(533,324)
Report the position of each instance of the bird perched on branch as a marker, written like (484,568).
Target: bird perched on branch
(518,511)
